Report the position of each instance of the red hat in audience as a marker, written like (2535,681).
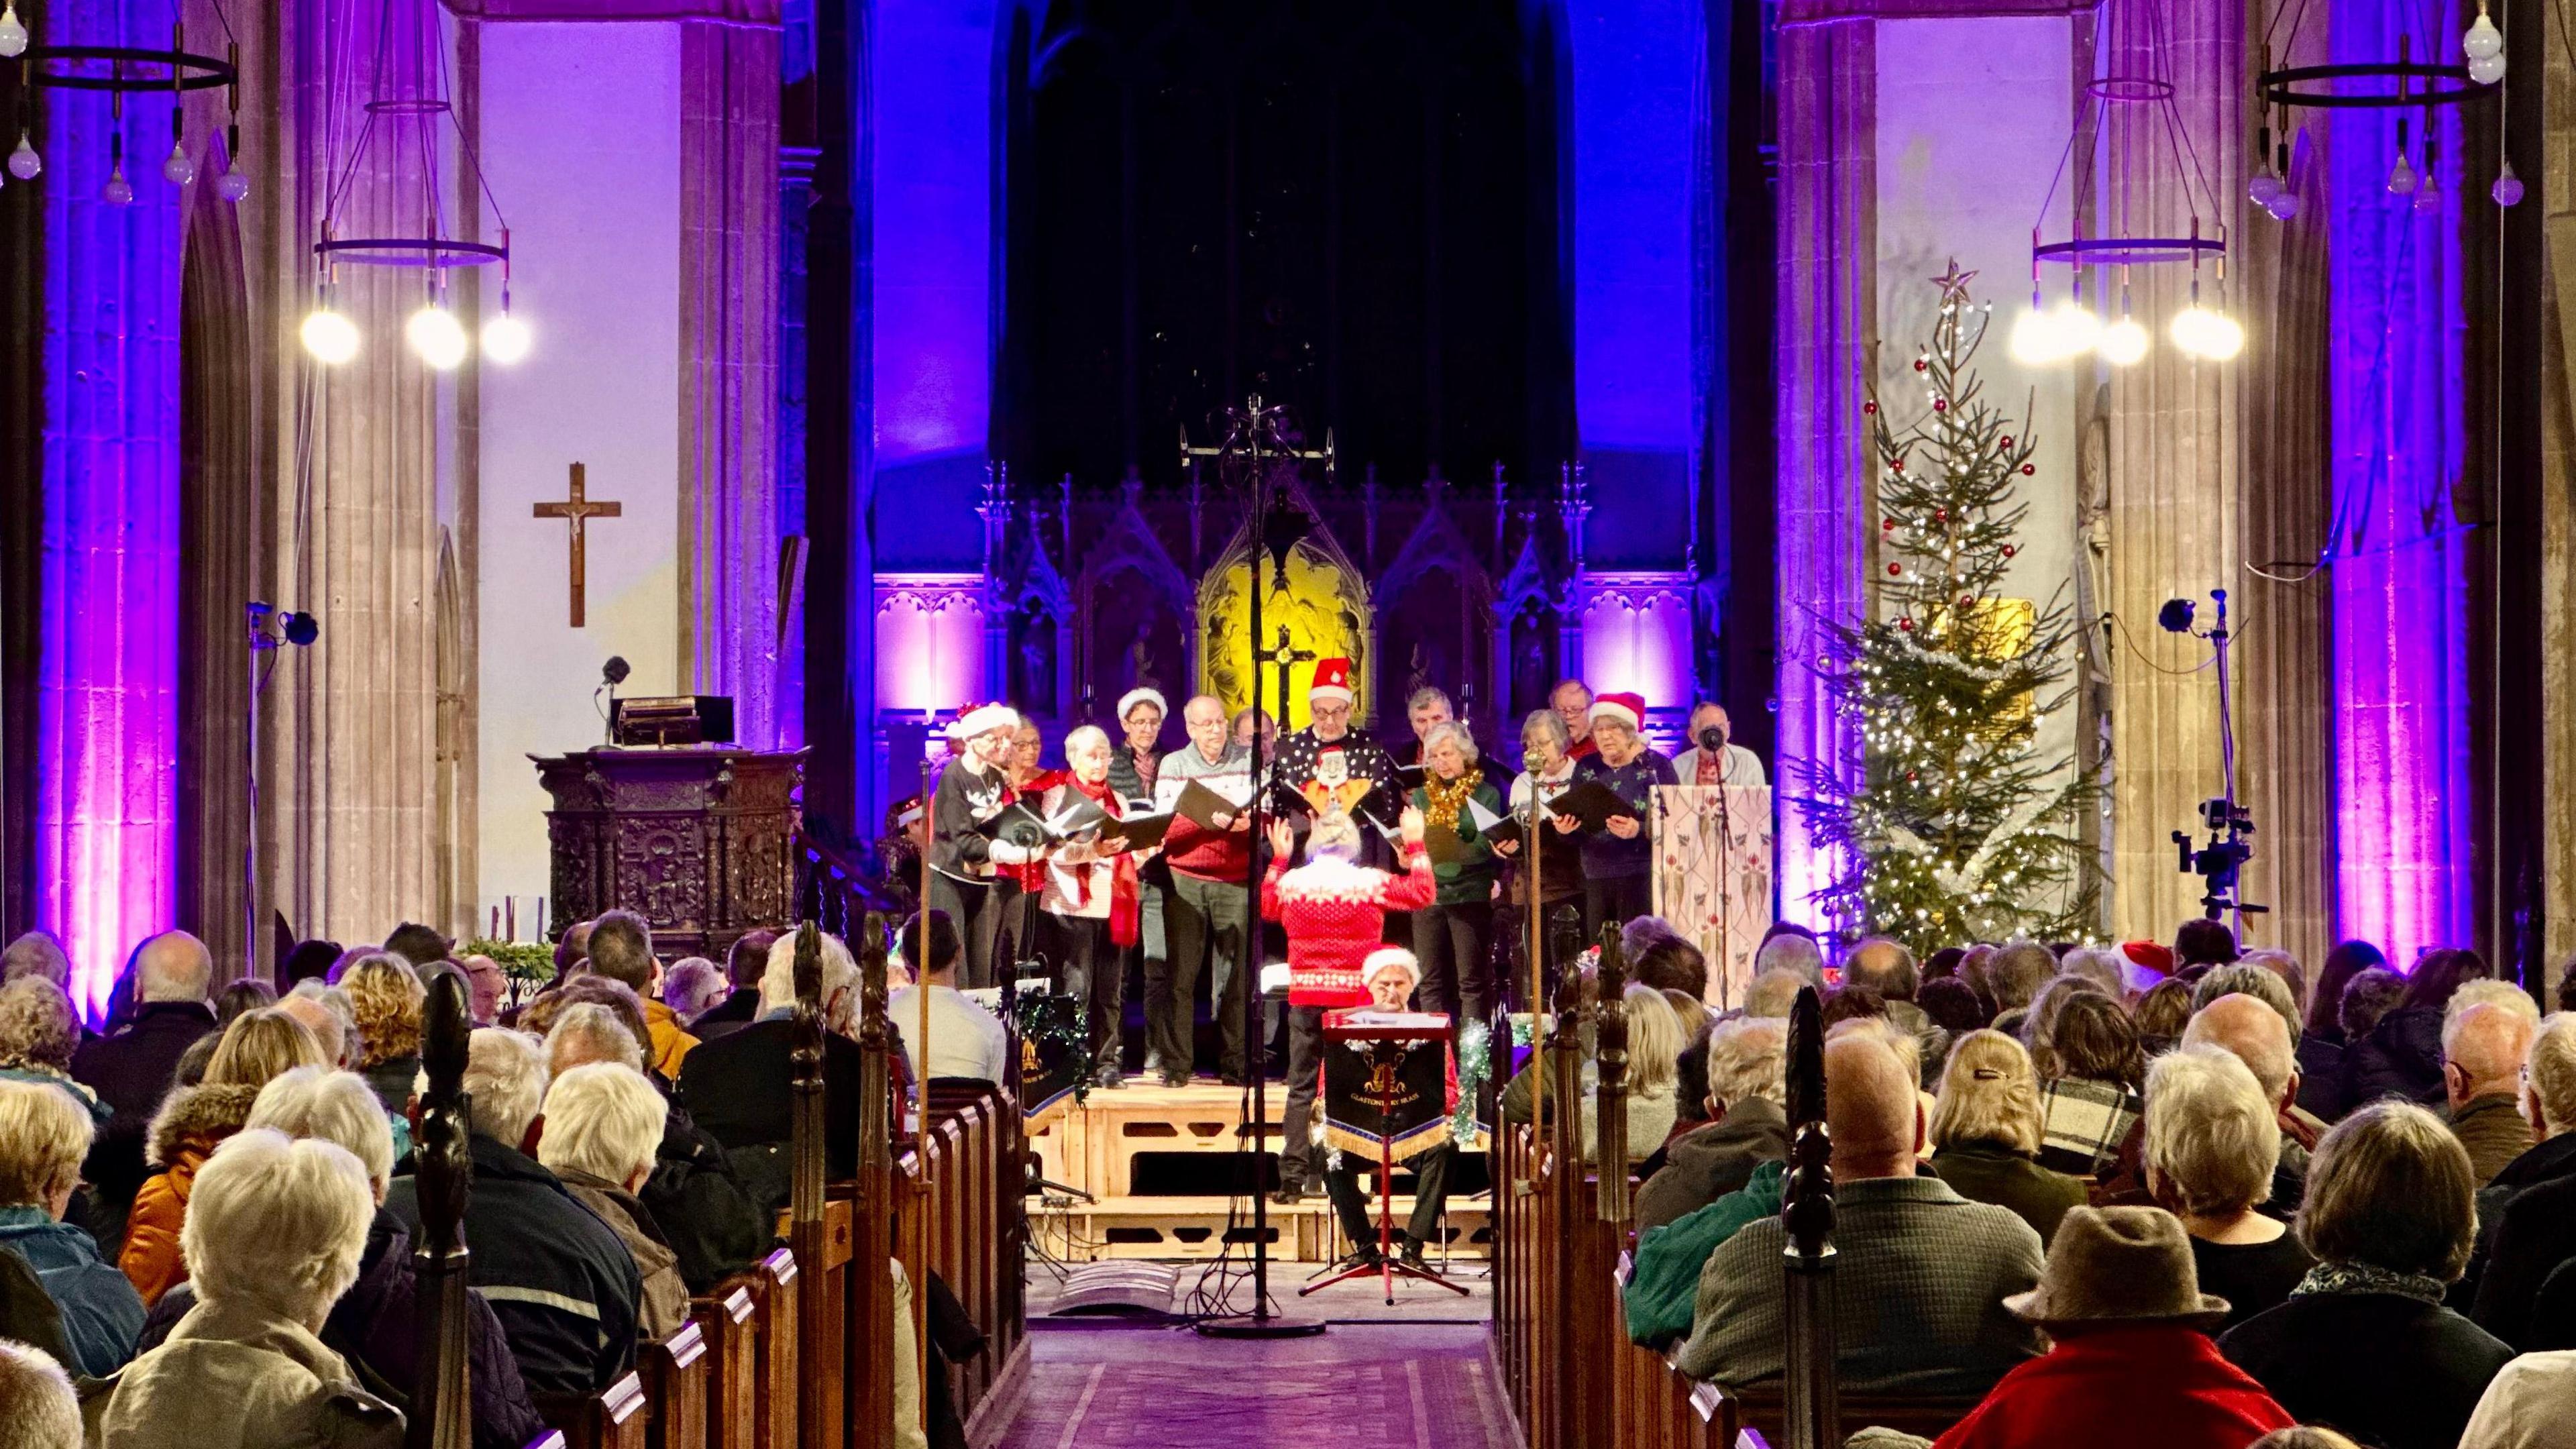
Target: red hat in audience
(1627,709)
(1332,681)
(2156,956)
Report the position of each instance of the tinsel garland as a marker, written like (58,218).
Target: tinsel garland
(1475,1062)
(1037,1026)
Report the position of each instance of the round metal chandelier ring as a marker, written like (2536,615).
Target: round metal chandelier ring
(2283,87)
(2112,251)
(2129,89)
(410,251)
(178,69)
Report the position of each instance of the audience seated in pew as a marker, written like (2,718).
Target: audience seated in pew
(621,949)
(39,1032)
(384,989)
(2527,1215)
(745,961)
(1744,1061)
(131,1067)
(706,1215)
(602,1123)
(2483,1048)
(1985,1133)
(275,1232)
(372,1324)
(1921,1272)
(739,1087)
(2527,1405)
(44,1134)
(2323,1043)
(691,987)
(2365,1345)
(2253,1032)
(192,1122)
(2212,1143)
(562,1283)
(2090,1069)
(2130,1365)
(967,1043)
(37,1402)
(2402,1055)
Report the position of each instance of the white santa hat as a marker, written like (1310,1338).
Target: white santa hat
(1332,681)
(1141,695)
(1627,709)
(985,720)
(1389,958)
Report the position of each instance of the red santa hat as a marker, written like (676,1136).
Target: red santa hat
(1332,681)
(1389,958)
(985,720)
(1627,709)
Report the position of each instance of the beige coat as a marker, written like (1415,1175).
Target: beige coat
(233,1376)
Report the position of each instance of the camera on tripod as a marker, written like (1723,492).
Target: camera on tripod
(2223,858)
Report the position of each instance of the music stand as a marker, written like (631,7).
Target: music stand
(1385,1039)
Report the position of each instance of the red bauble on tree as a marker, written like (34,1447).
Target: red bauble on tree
(1887,525)
(1940,405)
(1922,364)
(1895,569)
(1869,407)
(1896,465)
(2007,442)
(1940,515)
(1905,626)
(2027,469)
(2008,550)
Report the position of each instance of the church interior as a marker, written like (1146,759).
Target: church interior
(1047,722)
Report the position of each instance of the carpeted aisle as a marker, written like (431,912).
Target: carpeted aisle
(1360,1386)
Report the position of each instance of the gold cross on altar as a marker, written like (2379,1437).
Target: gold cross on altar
(579,509)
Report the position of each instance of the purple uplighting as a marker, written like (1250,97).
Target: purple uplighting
(107,686)
(2400,575)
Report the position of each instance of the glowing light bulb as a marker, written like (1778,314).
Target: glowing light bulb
(329,336)
(2078,330)
(506,339)
(2486,70)
(2123,342)
(2428,197)
(13,34)
(232,186)
(2401,177)
(24,163)
(176,168)
(436,335)
(118,191)
(2263,187)
(2284,206)
(2201,332)
(2482,39)
(2035,338)
(2507,190)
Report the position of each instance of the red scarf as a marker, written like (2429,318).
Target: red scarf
(1712,767)
(1125,908)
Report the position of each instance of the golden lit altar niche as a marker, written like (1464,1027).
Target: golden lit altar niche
(1318,598)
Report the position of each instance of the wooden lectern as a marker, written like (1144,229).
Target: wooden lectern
(700,840)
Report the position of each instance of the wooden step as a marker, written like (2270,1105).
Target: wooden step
(1195,1227)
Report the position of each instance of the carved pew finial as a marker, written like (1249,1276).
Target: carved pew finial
(442,1415)
(1610,1091)
(1814,1418)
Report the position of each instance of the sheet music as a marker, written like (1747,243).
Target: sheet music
(1485,819)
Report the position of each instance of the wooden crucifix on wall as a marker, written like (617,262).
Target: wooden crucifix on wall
(579,509)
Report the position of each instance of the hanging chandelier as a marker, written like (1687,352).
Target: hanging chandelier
(387,187)
(122,71)
(2132,49)
(2403,84)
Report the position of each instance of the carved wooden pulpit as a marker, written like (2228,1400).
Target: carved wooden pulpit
(699,840)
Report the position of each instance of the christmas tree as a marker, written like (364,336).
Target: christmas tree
(1957,827)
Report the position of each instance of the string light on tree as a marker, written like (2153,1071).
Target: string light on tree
(1957,824)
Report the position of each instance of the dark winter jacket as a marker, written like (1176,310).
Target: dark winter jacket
(741,1090)
(2402,1057)
(707,1213)
(371,1326)
(562,1284)
(729,1015)
(28,1313)
(2534,1233)
(1702,1166)
(2325,1088)
(130,1071)
(2381,1367)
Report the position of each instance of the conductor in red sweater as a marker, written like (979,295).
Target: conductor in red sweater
(1334,910)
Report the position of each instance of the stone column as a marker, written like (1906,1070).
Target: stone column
(2172,430)
(729,594)
(1826,322)
(2557,165)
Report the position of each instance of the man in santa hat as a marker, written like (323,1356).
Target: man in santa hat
(1328,750)
(1618,859)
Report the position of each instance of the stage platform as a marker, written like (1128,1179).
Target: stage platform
(1156,1158)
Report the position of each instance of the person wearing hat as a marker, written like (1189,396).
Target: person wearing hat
(1390,973)
(1328,749)
(2121,1302)
(967,879)
(1617,859)
(1135,768)
(1334,910)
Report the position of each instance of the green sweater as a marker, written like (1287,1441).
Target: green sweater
(1469,880)
(1663,1289)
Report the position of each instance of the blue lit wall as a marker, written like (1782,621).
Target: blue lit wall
(1634,64)
(931,75)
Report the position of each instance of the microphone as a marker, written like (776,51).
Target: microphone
(1712,739)
(615,670)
